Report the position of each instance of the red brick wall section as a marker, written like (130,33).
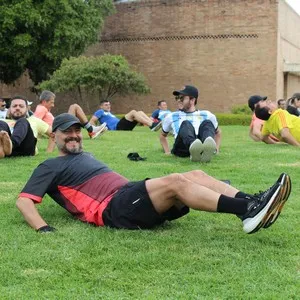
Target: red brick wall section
(228,49)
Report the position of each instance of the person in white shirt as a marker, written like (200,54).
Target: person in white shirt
(3,109)
(196,132)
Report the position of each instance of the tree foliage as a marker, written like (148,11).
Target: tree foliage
(107,75)
(37,35)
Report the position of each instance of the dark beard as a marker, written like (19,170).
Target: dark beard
(65,150)
(18,117)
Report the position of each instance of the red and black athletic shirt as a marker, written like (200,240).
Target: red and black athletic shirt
(77,182)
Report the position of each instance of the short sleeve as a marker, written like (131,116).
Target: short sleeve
(155,114)
(40,112)
(39,183)
(99,113)
(167,123)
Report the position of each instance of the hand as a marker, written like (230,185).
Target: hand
(45,229)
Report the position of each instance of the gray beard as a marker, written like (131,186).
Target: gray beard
(65,150)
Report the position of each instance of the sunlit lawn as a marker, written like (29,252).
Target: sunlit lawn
(200,256)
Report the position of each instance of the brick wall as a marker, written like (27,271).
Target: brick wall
(228,49)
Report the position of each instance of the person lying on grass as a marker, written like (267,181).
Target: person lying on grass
(128,122)
(278,122)
(93,193)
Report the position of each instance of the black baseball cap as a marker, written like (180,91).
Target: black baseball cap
(64,121)
(188,90)
(255,99)
(296,96)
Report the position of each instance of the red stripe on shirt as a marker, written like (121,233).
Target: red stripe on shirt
(90,208)
(32,197)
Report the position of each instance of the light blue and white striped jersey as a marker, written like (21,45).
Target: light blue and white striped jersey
(173,121)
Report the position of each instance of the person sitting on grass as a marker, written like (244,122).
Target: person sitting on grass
(281,103)
(161,112)
(18,135)
(3,108)
(128,122)
(47,102)
(293,105)
(93,193)
(279,122)
(196,132)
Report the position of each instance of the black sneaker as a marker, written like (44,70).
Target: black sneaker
(155,126)
(286,183)
(261,207)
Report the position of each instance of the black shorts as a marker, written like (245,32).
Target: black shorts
(125,124)
(27,145)
(131,208)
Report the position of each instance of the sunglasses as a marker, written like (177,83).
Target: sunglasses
(179,98)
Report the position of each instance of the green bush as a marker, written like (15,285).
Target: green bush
(241,110)
(233,119)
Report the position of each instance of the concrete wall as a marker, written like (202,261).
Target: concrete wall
(228,49)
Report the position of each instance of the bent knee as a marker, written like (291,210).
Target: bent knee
(73,106)
(199,173)
(175,180)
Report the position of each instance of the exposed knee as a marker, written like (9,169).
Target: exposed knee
(73,107)
(175,181)
(198,173)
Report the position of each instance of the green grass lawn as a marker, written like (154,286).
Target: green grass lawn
(200,256)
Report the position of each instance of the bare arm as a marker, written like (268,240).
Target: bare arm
(27,207)
(288,138)
(164,142)
(51,143)
(94,120)
(218,139)
(266,139)
(255,132)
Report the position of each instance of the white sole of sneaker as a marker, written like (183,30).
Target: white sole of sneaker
(251,225)
(286,183)
(196,149)
(103,128)
(209,149)
(157,127)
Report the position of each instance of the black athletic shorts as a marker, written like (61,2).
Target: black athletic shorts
(131,208)
(125,124)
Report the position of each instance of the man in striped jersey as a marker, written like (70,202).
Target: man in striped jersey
(196,132)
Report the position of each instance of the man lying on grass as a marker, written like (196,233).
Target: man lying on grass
(93,193)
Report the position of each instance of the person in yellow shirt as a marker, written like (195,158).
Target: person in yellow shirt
(278,122)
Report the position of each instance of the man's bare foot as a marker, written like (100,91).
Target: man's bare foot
(2,155)
(5,143)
